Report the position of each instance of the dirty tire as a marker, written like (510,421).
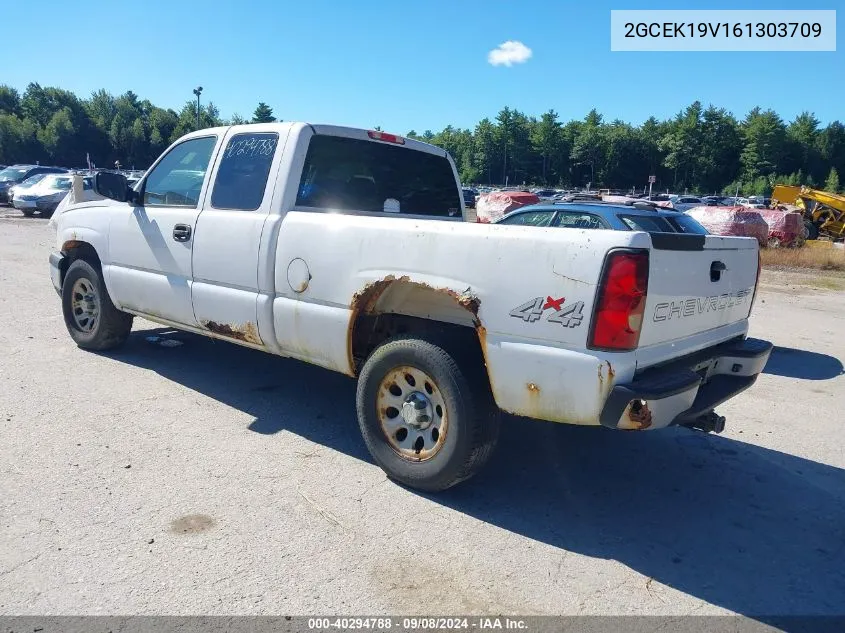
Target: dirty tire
(112,326)
(811,230)
(473,420)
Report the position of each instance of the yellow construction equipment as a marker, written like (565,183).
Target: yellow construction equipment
(824,212)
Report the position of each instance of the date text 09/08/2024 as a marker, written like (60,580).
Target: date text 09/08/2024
(417,624)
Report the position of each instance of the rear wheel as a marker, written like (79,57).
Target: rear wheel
(427,422)
(28,212)
(90,316)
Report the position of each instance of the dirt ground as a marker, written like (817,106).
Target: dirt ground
(206,478)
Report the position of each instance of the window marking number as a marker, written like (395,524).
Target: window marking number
(530,311)
(570,316)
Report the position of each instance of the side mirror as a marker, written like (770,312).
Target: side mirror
(111,185)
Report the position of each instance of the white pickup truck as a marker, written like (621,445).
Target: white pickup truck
(346,248)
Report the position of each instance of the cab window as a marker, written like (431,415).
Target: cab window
(244,168)
(177,179)
(378,177)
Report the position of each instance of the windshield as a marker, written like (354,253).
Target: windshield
(12,173)
(57,182)
(31,181)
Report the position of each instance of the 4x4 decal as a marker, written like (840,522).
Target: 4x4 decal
(532,311)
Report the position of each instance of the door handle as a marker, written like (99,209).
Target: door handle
(716,270)
(181,232)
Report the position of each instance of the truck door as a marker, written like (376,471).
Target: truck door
(225,288)
(150,244)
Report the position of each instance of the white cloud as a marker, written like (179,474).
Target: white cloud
(509,53)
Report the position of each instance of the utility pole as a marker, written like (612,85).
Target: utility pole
(197,92)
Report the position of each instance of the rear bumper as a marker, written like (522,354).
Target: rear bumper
(56,261)
(684,390)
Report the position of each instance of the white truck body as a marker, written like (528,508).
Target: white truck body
(296,280)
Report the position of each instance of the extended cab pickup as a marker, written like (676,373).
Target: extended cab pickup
(346,248)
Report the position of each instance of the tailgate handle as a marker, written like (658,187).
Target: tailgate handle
(716,269)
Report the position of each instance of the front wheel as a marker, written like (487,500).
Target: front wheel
(28,212)
(427,422)
(811,231)
(90,316)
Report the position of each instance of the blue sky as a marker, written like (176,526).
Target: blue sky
(402,64)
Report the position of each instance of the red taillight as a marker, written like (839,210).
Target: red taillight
(618,316)
(387,138)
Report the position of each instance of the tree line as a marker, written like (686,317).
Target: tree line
(54,126)
(704,150)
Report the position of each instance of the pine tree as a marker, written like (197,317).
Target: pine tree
(832,182)
(263,114)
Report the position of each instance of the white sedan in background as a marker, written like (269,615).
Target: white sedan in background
(685,203)
(44,196)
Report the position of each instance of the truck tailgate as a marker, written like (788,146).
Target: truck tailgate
(695,291)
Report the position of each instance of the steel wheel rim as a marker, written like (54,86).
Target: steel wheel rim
(84,305)
(412,413)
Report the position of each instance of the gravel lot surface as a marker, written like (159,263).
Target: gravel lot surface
(206,478)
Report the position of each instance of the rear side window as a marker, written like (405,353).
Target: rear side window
(686,224)
(357,175)
(575,220)
(244,168)
(530,218)
(649,224)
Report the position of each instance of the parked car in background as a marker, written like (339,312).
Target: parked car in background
(492,206)
(736,221)
(752,203)
(716,201)
(618,217)
(682,203)
(26,184)
(786,228)
(469,198)
(16,174)
(45,195)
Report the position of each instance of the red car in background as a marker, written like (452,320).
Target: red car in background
(786,228)
(737,221)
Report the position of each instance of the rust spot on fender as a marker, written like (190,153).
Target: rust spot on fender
(365,300)
(246,332)
(71,244)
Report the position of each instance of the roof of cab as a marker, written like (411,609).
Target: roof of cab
(319,128)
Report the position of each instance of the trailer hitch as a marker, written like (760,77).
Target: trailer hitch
(710,422)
